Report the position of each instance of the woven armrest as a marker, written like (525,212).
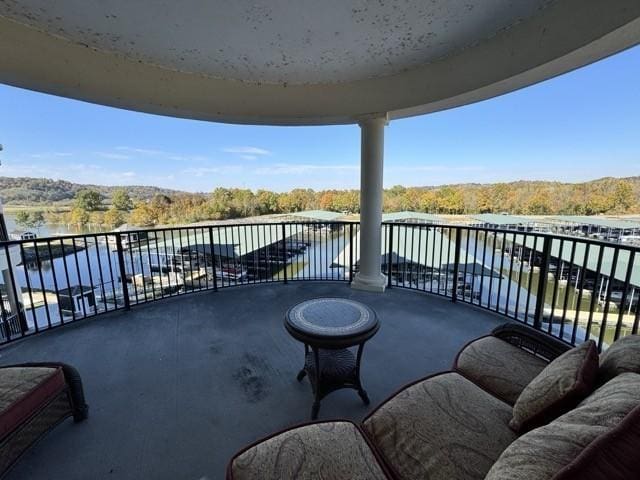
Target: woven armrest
(539,343)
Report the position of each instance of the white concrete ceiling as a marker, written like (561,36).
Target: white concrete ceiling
(277,41)
(301,61)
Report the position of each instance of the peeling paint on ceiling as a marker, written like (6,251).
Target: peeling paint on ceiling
(280,41)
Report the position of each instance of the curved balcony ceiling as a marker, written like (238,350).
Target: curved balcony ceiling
(303,61)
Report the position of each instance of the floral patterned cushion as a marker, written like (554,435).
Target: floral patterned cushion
(622,356)
(327,451)
(499,367)
(441,428)
(559,387)
(598,440)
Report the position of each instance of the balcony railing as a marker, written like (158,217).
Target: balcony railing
(572,288)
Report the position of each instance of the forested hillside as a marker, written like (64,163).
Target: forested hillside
(35,191)
(145,206)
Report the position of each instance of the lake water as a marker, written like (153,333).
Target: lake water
(49,229)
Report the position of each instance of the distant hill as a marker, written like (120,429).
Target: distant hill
(605,195)
(44,191)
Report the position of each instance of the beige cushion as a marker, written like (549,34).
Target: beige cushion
(622,356)
(548,452)
(329,450)
(442,428)
(558,388)
(499,367)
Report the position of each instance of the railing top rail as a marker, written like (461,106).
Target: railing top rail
(553,236)
(174,228)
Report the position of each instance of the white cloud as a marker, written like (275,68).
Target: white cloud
(302,169)
(252,152)
(143,151)
(436,168)
(161,154)
(203,171)
(248,157)
(50,154)
(128,174)
(113,156)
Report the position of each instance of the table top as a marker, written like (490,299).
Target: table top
(327,319)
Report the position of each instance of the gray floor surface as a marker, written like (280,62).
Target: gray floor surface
(177,386)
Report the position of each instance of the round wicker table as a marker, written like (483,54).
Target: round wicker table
(328,327)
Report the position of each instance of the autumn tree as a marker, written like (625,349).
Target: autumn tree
(79,216)
(450,200)
(113,217)
(484,200)
(539,203)
(622,198)
(267,202)
(143,215)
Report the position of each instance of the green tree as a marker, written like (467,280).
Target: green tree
(88,200)
(23,218)
(121,200)
(37,220)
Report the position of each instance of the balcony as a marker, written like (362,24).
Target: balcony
(181,369)
(177,386)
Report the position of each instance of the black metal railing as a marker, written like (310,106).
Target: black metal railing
(572,288)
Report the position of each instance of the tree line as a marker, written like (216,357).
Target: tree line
(608,195)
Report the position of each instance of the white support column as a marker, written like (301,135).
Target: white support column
(370,277)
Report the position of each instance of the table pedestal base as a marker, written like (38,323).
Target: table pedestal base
(331,370)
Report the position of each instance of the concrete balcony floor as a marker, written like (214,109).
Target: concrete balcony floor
(177,386)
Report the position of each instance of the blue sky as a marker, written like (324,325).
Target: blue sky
(580,126)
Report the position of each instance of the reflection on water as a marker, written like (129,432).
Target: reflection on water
(51,229)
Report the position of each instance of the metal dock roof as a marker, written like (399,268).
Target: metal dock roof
(245,238)
(596,220)
(500,219)
(592,260)
(406,215)
(323,215)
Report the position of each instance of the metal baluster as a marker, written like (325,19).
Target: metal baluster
(542,282)
(567,289)
(123,272)
(484,258)
(576,320)
(623,300)
(29,288)
(605,315)
(593,295)
(456,266)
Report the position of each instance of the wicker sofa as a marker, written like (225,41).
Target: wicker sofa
(34,398)
(455,425)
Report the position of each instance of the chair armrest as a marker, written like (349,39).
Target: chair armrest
(539,343)
(74,383)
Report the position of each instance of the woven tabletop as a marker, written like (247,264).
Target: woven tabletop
(331,318)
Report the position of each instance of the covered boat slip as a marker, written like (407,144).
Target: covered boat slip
(592,257)
(608,275)
(233,253)
(423,257)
